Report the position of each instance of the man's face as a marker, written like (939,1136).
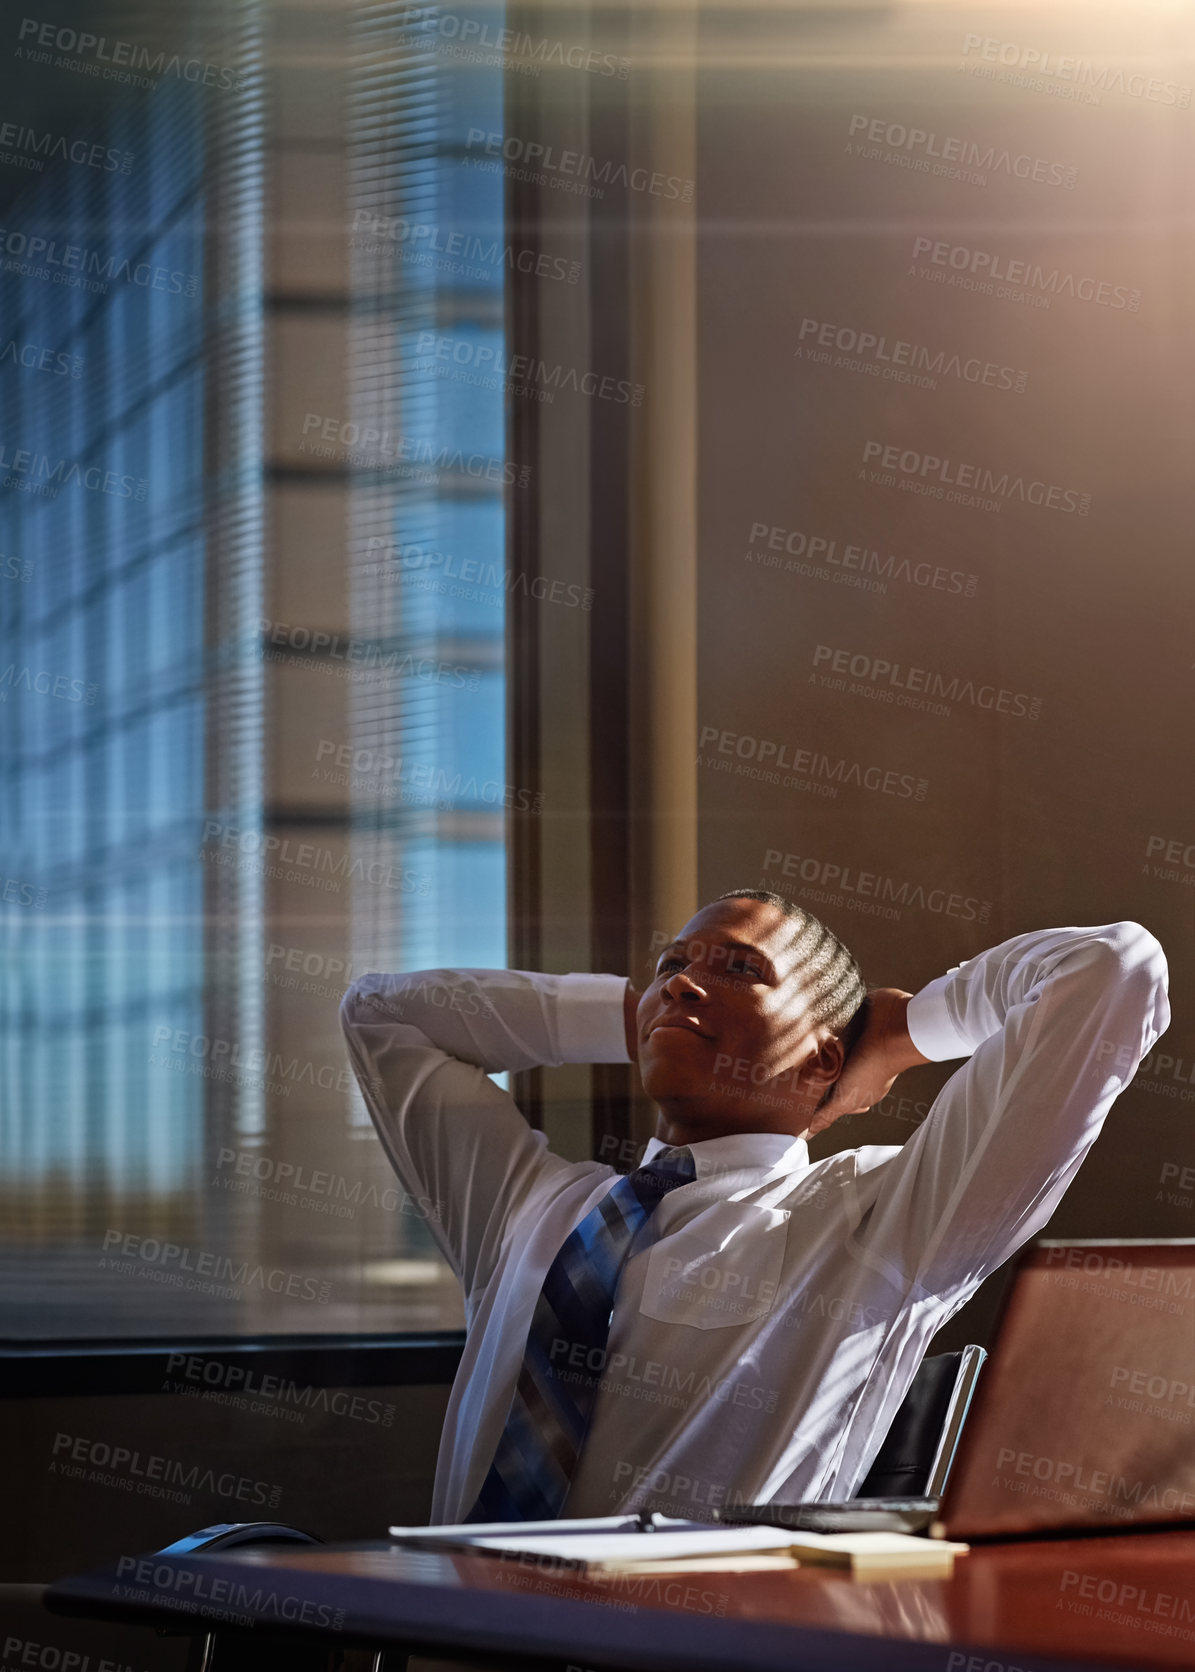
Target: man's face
(724,1033)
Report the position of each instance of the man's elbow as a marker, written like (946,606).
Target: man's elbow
(1132,963)
(369,999)
(1139,954)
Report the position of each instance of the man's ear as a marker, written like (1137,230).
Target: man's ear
(820,1071)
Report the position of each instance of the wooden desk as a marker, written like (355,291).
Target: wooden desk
(1126,1601)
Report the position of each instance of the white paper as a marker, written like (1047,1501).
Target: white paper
(473,1530)
(644,1547)
(608,1539)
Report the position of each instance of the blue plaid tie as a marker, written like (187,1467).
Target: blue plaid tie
(566,1349)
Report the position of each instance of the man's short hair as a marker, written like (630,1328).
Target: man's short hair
(834,987)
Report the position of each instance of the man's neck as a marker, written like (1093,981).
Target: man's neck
(679,1126)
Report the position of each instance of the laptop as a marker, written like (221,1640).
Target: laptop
(1084,1417)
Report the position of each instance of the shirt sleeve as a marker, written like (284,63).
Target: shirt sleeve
(423,1046)
(1054,1025)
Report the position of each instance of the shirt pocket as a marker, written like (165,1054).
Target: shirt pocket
(723,1269)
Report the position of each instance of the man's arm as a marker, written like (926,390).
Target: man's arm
(1054,1025)
(423,1045)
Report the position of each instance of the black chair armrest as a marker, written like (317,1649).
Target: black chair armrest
(222,1535)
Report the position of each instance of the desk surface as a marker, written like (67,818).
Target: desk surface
(1126,1601)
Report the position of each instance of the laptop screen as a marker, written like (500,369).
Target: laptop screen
(1085,1413)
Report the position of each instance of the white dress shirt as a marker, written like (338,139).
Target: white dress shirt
(760,1346)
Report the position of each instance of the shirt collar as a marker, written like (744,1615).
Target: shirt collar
(772,1153)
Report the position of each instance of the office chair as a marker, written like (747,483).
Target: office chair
(919,1448)
(223,1535)
(249,1652)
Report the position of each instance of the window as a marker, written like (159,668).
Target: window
(251,662)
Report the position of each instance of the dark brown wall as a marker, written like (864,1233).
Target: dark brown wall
(1016,820)
(359,1460)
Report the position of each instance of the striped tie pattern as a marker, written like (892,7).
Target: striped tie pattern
(566,1349)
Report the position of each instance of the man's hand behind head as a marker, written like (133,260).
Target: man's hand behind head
(882,1052)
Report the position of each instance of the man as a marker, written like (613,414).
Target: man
(732,1323)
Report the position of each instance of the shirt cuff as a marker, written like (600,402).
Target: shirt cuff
(931,1027)
(589,1018)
